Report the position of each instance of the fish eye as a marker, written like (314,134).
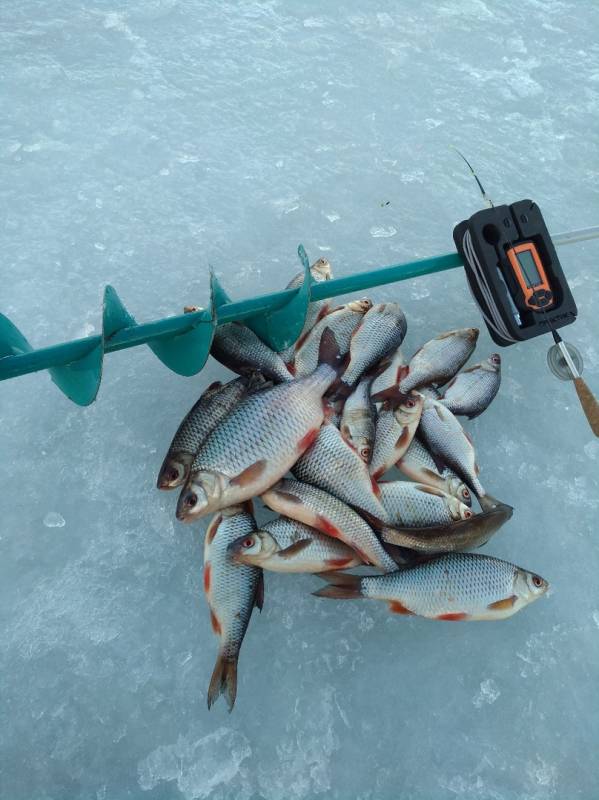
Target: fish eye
(190,500)
(496,359)
(248,542)
(466,493)
(410,403)
(537,581)
(467,514)
(171,474)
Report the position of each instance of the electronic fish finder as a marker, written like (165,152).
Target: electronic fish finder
(514,272)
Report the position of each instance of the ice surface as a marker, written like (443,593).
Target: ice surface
(142,140)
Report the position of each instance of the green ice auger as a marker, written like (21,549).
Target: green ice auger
(183,342)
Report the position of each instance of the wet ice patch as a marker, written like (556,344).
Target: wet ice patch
(487,694)
(383,233)
(54,520)
(198,764)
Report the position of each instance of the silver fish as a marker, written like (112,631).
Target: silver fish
(396,425)
(448,441)
(328,514)
(473,389)
(380,333)
(285,545)
(241,350)
(259,440)
(232,591)
(342,321)
(357,421)
(212,407)
(439,359)
(418,464)
(466,534)
(415,505)
(320,271)
(457,586)
(331,464)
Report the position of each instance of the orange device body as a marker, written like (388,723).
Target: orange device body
(531,276)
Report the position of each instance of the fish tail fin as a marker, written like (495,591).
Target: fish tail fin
(340,586)
(488,502)
(223,681)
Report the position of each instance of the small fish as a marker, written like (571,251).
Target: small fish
(258,442)
(419,465)
(242,351)
(212,407)
(357,421)
(466,534)
(395,428)
(232,591)
(331,464)
(473,389)
(449,443)
(380,333)
(285,545)
(321,271)
(415,505)
(328,514)
(439,359)
(390,373)
(342,321)
(456,586)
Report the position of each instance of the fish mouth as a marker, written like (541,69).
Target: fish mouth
(174,471)
(192,504)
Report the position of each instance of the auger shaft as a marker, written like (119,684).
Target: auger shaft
(170,337)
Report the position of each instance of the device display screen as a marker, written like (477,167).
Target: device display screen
(529,268)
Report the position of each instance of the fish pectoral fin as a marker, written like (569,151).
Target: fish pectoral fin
(259,596)
(398,608)
(249,474)
(294,548)
(439,463)
(503,605)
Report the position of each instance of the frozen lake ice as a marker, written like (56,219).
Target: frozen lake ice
(142,140)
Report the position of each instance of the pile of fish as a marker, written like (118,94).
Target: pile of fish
(344,411)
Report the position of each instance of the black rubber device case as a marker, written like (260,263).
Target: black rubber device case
(493,232)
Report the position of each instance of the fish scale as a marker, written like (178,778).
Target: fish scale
(439,359)
(454,586)
(241,350)
(331,464)
(212,407)
(322,510)
(261,423)
(473,389)
(257,442)
(444,436)
(395,429)
(231,590)
(314,551)
(415,505)
(357,424)
(342,321)
(418,464)
(381,332)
